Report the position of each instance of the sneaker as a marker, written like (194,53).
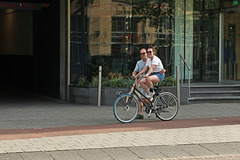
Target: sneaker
(139,116)
(150,94)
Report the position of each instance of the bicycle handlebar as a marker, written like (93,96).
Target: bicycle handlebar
(132,77)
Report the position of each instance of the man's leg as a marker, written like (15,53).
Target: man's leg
(140,107)
(140,114)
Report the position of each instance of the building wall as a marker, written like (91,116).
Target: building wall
(16,32)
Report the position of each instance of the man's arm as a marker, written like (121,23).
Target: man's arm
(134,73)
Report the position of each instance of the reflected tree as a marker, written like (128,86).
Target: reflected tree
(158,14)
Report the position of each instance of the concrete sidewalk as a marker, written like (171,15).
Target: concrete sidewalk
(46,113)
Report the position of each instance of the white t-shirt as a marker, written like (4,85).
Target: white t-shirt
(155,61)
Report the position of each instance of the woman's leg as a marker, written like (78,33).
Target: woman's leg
(143,83)
(148,82)
(152,79)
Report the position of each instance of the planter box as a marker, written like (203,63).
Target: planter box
(109,94)
(183,93)
(83,95)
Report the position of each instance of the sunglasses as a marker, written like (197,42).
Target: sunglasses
(149,51)
(142,53)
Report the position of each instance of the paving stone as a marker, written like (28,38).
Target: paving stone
(172,151)
(147,152)
(196,150)
(234,145)
(13,149)
(96,154)
(10,156)
(2,150)
(65,155)
(216,157)
(36,156)
(219,148)
(121,154)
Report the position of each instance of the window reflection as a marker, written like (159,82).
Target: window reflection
(205,49)
(113,32)
(211,4)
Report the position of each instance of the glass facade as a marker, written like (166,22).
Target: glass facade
(231,51)
(205,41)
(111,33)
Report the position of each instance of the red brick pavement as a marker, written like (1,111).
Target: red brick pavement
(7,134)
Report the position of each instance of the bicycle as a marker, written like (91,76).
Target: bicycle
(163,104)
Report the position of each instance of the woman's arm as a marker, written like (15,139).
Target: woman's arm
(150,70)
(142,71)
(163,71)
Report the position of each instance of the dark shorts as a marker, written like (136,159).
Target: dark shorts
(159,75)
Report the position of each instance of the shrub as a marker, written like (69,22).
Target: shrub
(168,81)
(117,80)
(128,82)
(112,75)
(94,82)
(82,82)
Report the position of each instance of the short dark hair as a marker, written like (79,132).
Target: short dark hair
(150,46)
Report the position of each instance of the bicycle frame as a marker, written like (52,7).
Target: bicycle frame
(134,91)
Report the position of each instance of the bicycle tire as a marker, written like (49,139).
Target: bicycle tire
(166,105)
(125,108)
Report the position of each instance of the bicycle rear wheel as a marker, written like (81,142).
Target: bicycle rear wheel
(125,108)
(166,105)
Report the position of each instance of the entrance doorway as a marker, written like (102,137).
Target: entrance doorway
(205,49)
(231,47)
(30,47)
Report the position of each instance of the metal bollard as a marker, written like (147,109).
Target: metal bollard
(178,85)
(99,85)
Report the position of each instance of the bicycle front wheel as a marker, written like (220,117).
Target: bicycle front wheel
(166,105)
(125,108)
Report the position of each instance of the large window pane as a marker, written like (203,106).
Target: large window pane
(112,32)
(231,49)
(205,43)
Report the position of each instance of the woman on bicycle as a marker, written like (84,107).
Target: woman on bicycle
(155,73)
